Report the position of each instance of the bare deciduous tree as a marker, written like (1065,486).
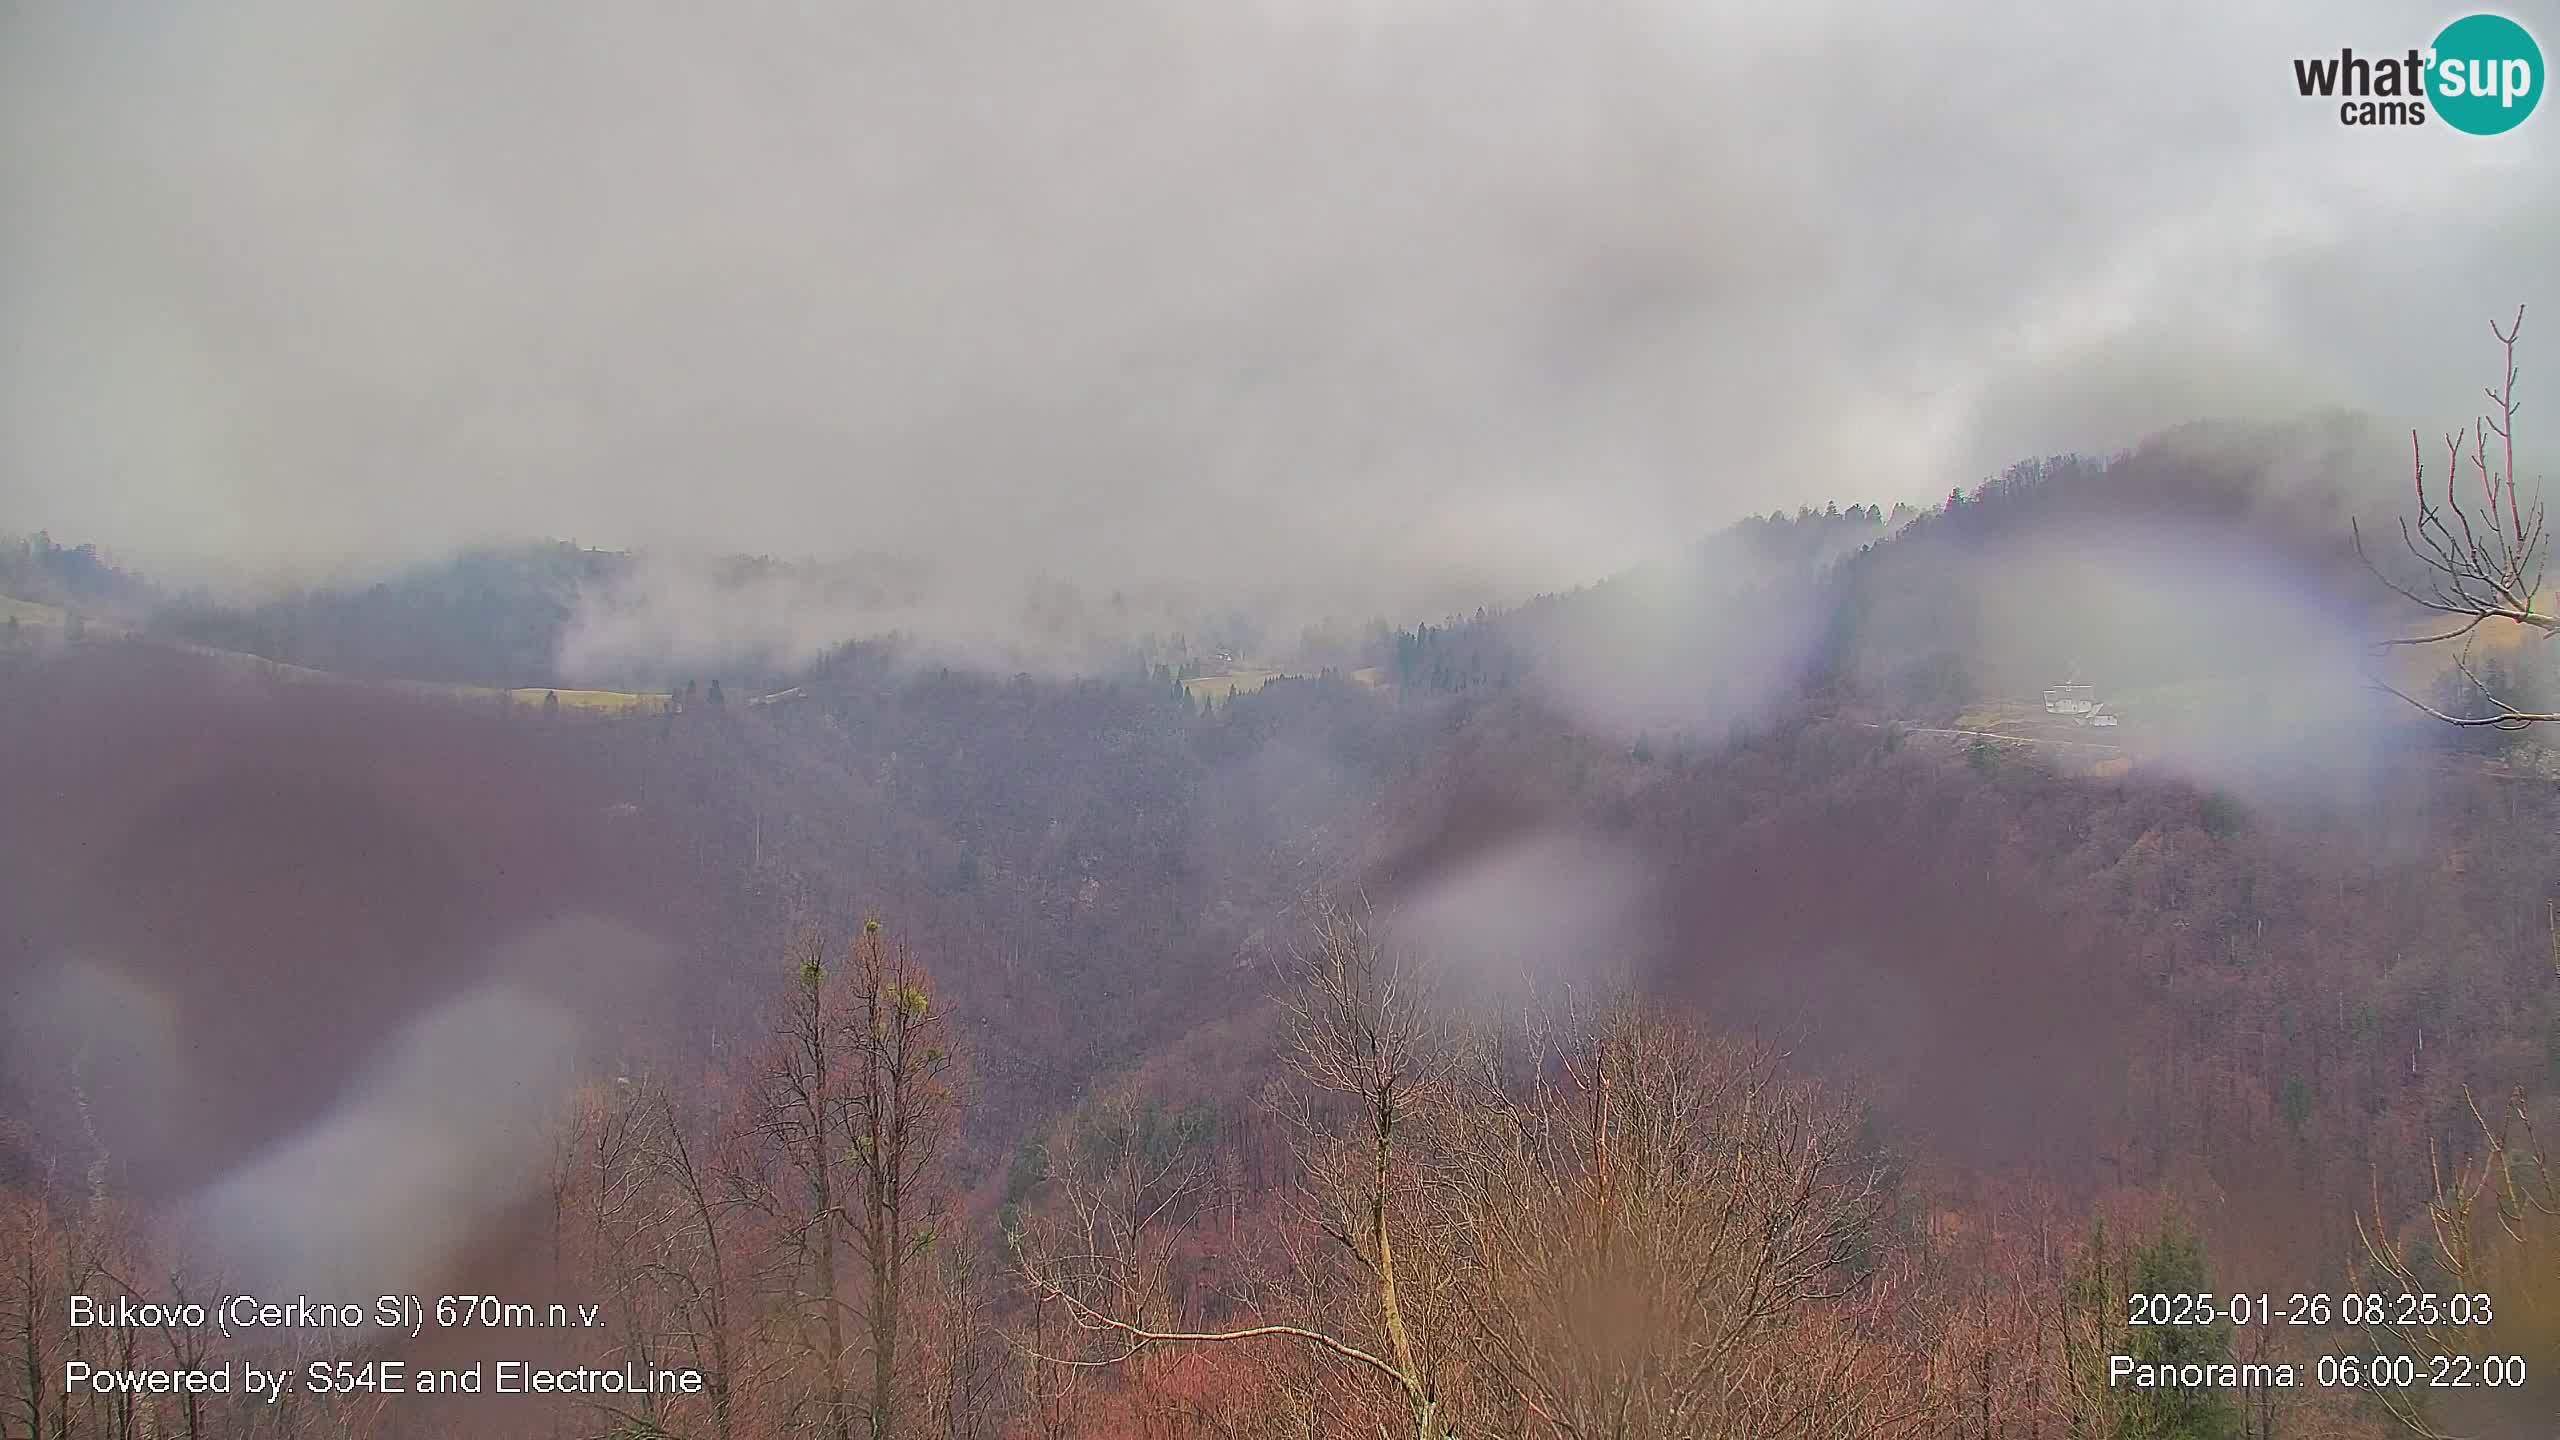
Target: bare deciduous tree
(2489,1229)
(2477,560)
(1367,1057)
(901,1117)
(2492,1221)
(691,1256)
(1623,1227)
(1650,1218)
(857,1109)
(1119,1182)
(796,1184)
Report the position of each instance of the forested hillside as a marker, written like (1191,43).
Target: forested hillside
(2000,590)
(2035,1026)
(1422,721)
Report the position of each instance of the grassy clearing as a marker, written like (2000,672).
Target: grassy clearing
(28,612)
(1227,686)
(2005,717)
(242,660)
(609,701)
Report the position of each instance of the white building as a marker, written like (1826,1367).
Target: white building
(2071,699)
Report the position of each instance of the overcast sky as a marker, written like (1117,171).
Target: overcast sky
(1368,297)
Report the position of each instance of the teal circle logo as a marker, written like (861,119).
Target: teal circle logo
(2484,75)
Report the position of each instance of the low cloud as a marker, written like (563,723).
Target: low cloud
(1365,308)
(1546,914)
(431,1146)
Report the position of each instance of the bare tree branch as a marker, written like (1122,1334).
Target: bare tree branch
(2473,569)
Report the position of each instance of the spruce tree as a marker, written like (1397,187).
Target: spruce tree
(2173,1264)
